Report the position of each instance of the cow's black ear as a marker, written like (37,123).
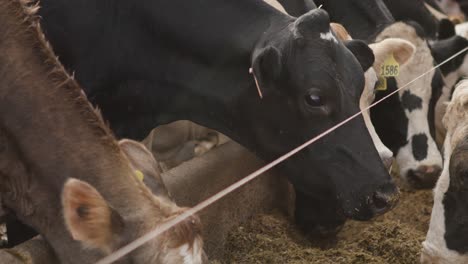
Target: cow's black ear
(266,67)
(313,22)
(362,52)
(446,29)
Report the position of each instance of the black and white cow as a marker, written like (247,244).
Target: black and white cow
(446,240)
(444,46)
(405,124)
(453,71)
(409,131)
(154,62)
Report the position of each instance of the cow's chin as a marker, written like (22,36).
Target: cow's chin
(318,218)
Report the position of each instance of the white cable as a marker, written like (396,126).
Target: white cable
(169,224)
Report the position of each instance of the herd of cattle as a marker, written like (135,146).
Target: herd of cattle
(268,75)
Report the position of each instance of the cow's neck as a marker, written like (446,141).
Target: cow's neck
(54,132)
(225,110)
(210,82)
(231,28)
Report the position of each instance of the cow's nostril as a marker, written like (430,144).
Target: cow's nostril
(380,201)
(383,202)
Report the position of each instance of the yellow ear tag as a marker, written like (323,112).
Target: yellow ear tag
(390,67)
(382,84)
(139,175)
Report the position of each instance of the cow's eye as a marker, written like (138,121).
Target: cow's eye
(314,100)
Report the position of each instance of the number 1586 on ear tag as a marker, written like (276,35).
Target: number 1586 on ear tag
(390,67)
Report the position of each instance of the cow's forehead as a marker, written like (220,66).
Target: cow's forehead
(331,67)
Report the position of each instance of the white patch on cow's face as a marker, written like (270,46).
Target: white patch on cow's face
(366,99)
(186,254)
(328,36)
(417,119)
(192,255)
(462,29)
(435,247)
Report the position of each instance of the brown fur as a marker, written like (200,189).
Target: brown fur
(52,134)
(142,160)
(340,31)
(87,215)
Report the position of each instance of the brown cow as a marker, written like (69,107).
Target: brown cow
(52,142)
(181,141)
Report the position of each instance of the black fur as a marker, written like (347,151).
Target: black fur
(410,101)
(419,146)
(151,62)
(392,126)
(444,49)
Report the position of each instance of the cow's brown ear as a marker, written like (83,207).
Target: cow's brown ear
(143,160)
(88,216)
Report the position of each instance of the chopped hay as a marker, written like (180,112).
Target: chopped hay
(392,238)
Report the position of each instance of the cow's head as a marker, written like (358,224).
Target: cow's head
(446,240)
(447,45)
(311,81)
(406,123)
(91,219)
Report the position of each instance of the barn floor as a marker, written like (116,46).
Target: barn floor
(393,238)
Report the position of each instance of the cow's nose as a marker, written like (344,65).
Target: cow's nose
(387,161)
(424,177)
(382,201)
